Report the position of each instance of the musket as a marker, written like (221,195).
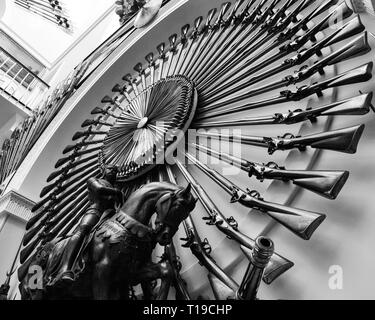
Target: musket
(342,140)
(43,236)
(325,183)
(81,144)
(192,49)
(178,282)
(31,233)
(348,30)
(55,18)
(211,35)
(360,74)
(285,34)
(240,37)
(201,249)
(42,5)
(261,21)
(87,133)
(302,223)
(229,226)
(56,203)
(359,46)
(54,197)
(359,105)
(66,176)
(75,155)
(73,164)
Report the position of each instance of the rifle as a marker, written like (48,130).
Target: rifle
(360,74)
(202,249)
(178,283)
(351,28)
(229,226)
(359,46)
(342,140)
(303,223)
(324,183)
(358,105)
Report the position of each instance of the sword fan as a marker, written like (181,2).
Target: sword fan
(220,66)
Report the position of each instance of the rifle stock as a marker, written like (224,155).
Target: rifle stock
(303,223)
(278,264)
(351,28)
(344,140)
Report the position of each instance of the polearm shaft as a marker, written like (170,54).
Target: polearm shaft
(359,46)
(302,223)
(278,264)
(358,105)
(226,87)
(357,75)
(201,249)
(327,184)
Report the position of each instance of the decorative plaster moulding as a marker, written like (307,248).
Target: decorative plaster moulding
(15,204)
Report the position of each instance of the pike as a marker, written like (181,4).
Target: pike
(359,46)
(342,140)
(359,105)
(327,184)
(278,264)
(201,249)
(227,86)
(302,223)
(360,74)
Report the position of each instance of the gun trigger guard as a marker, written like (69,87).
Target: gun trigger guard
(272,146)
(235,195)
(209,220)
(206,246)
(232,222)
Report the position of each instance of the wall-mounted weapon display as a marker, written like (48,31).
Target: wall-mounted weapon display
(220,66)
(51,10)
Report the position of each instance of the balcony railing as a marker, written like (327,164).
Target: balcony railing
(19,83)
